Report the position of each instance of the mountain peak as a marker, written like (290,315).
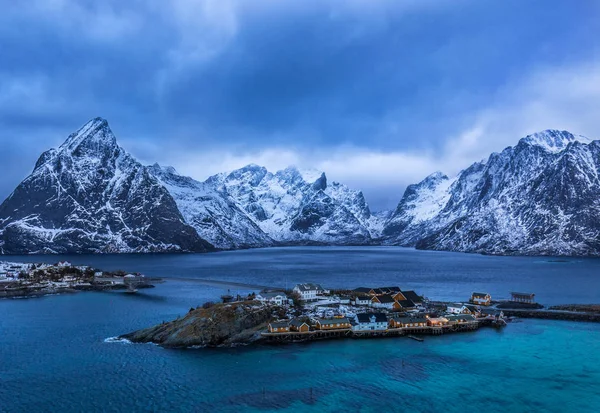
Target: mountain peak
(553,140)
(158,169)
(95,134)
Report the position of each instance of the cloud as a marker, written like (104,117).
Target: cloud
(378,93)
(563,98)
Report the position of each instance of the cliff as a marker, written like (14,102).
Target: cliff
(219,325)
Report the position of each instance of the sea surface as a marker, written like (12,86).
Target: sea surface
(54,355)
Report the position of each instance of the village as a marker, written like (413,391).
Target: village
(19,280)
(317,313)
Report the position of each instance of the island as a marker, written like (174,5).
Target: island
(310,312)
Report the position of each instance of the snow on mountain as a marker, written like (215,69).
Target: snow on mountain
(294,206)
(89,195)
(538,197)
(214,214)
(553,140)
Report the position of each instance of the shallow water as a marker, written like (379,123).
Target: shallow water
(53,356)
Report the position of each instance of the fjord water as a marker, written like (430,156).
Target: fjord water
(53,354)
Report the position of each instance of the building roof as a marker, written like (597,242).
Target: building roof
(528,295)
(271,294)
(412,296)
(362,290)
(309,287)
(279,324)
(384,299)
(329,321)
(390,289)
(472,307)
(480,295)
(456,305)
(406,304)
(296,322)
(365,318)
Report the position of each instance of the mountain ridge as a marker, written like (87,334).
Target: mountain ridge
(538,197)
(535,198)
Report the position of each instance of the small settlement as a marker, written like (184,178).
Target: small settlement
(29,279)
(315,313)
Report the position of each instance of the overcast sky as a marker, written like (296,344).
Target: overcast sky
(378,94)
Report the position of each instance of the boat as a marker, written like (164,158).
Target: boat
(415,338)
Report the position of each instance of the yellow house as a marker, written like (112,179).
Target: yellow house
(299,326)
(481,298)
(332,323)
(407,322)
(437,321)
(279,327)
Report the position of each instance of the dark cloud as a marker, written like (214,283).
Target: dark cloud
(242,77)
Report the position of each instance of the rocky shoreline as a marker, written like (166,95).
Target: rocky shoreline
(218,325)
(241,323)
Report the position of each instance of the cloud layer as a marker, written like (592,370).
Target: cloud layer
(378,94)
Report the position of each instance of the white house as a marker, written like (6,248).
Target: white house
(309,291)
(275,297)
(457,308)
(64,264)
(370,322)
(362,300)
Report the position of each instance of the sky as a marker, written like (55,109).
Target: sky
(376,93)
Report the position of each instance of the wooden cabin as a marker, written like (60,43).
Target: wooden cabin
(437,321)
(279,327)
(383,301)
(459,319)
(299,326)
(528,298)
(405,305)
(412,296)
(481,299)
(398,296)
(406,322)
(332,323)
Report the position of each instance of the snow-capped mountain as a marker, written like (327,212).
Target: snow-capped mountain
(298,206)
(538,197)
(214,214)
(88,196)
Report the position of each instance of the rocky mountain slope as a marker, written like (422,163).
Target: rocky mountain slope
(294,206)
(539,197)
(89,196)
(213,214)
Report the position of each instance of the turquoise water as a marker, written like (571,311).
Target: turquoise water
(53,356)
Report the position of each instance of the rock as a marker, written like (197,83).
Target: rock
(90,196)
(219,325)
(539,197)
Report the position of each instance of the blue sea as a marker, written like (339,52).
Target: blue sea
(54,355)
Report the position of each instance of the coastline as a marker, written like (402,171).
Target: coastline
(30,280)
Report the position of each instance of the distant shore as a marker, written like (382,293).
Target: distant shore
(29,280)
